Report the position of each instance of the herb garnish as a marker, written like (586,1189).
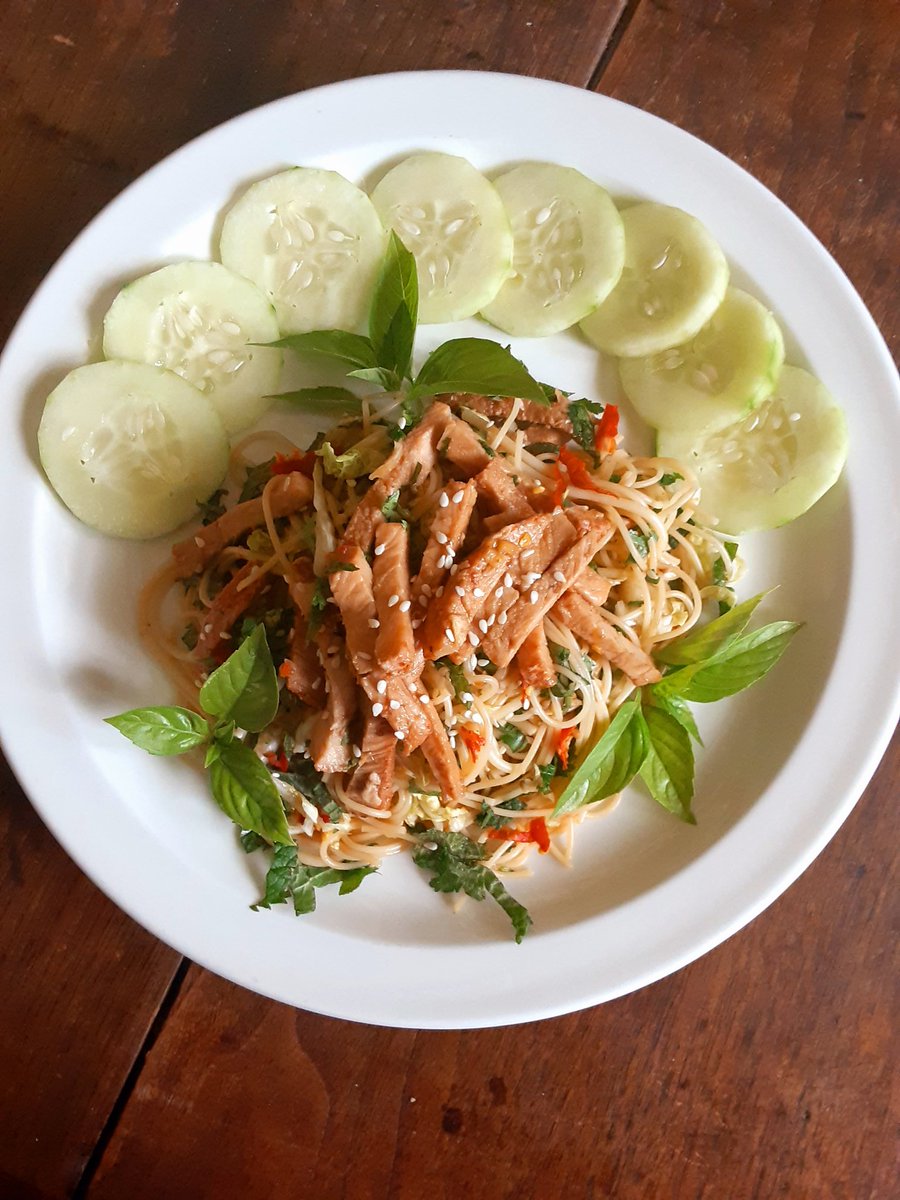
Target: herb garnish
(490,818)
(581,413)
(289,879)
(512,737)
(212,508)
(669,478)
(256,479)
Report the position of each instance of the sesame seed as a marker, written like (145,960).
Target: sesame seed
(457,499)
(491,619)
(393,600)
(207,628)
(483,625)
(441,538)
(476,717)
(423,699)
(395,704)
(364,655)
(225,637)
(459,591)
(381,687)
(472,638)
(439,593)
(526,704)
(423,601)
(467,697)
(377,710)
(442,562)
(533,597)
(405,606)
(374,623)
(448,634)
(417,623)
(508,579)
(398,735)
(559,577)
(450,552)
(477,592)
(199,542)
(526,554)
(532,577)
(502,619)
(357,753)
(443,500)
(499,592)
(379,550)
(453,570)
(426,589)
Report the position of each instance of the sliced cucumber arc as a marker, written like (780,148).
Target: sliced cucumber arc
(130,449)
(774,464)
(569,249)
(674,279)
(713,380)
(200,320)
(313,242)
(452,220)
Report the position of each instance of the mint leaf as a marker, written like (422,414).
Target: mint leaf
(162,730)
(322,401)
(350,348)
(611,763)
(456,866)
(288,879)
(244,689)
(741,663)
(582,422)
(476,365)
(242,787)
(677,708)
(668,768)
(395,309)
(547,774)
(317,605)
(704,642)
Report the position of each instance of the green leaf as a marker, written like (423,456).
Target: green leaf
(639,541)
(677,708)
(490,818)
(317,605)
(741,663)
(244,689)
(303,777)
(256,479)
(395,309)
(393,510)
(547,774)
(380,376)
(458,680)
(212,508)
(510,736)
(322,401)
(251,841)
(349,348)
(242,787)
(669,478)
(162,730)
(456,866)
(703,643)
(476,365)
(288,879)
(668,768)
(610,764)
(543,448)
(581,418)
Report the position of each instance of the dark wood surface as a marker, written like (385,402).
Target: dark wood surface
(763,1070)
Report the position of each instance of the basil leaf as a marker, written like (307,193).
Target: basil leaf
(547,774)
(668,768)
(389,381)
(512,737)
(612,762)
(742,662)
(677,708)
(212,508)
(255,480)
(582,422)
(251,841)
(395,309)
(489,818)
(543,448)
(244,689)
(288,878)
(322,401)
(162,730)
(456,866)
(476,365)
(242,787)
(350,348)
(703,643)
(303,777)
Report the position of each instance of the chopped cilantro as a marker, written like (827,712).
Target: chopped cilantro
(560,655)
(489,818)
(639,541)
(581,414)
(670,477)
(543,448)
(547,773)
(320,597)
(392,509)
(288,878)
(303,777)
(458,680)
(257,478)
(340,566)
(512,737)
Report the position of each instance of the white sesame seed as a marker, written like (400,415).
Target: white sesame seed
(401,424)
(357,753)
(477,592)
(453,570)
(381,687)
(442,562)
(491,619)
(526,554)
(448,634)
(502,619)
(467,697)
(499,592)
(417,623)
(199,542)
(377,710)
(472,638)
(426,589)
(395,704)
(533,597)
(374,623)
(443,500)
(450,552)
(452,740)
(459,591)
(439,593)
(207,628)
(457,499)
(398,735)
(441,538)
(476,717)
(364,655)
(393,600)
(559,577)
(508,579)
(379,550)
(405,606)
(532,577)
(526,704)
(483,625)
(423,699)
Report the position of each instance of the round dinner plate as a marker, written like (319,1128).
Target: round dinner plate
(782,764)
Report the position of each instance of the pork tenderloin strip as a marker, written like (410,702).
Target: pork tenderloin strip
(440,757)
(591,625)
(534,661)
(498,408)
(397,699)
(329,742)
(418,449)
(395,647)
(372,782)
(354,596)
(230,603)
(301,670)
(448,530)
(495,485)
(461,447)
(287,494)
(502,641)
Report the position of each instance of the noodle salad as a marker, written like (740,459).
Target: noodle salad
(460,621)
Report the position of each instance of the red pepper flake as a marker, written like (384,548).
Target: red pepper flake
(564,739)
(539,834)
(286,669)
(278,762)
(509,835)
(284,464)
(473,741)
(607,430)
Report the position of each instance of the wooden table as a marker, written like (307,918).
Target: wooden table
(764,1070)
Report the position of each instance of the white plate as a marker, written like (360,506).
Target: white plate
(783,764)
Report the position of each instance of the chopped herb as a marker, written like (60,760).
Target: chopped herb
(719,572)
(547,773)
(639,541)
(320,597)
(510,736)
(489,450)
(726,605)
(670,477)
(489,818)
(392,509)
(257,478)
(419,789)
(340,566)
(653,579)
(543,448)
(417,471)
(456,864)
(487,667)
(288,878)
(458,680)
(615,479)
(260,543)
(581,413)
(212,508)
(251,841)
(190,582)
(673,542)
(560,655)
(189,636)
(303,777)
(731,549)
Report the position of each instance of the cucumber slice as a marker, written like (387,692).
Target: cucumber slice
(674,279)
(729,368)
(569,249)
(313,242)
(452,220)
(774,464)
(131,448)
(199,320)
